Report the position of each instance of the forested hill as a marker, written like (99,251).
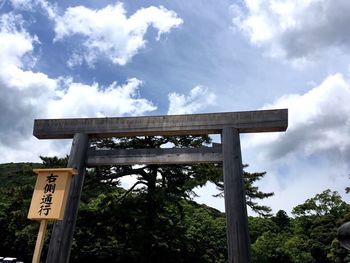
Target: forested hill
(114,226)
(17,174)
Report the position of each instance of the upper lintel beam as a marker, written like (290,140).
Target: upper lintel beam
(192,124)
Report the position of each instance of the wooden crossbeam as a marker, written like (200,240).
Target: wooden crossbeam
(193,124)
(154,156)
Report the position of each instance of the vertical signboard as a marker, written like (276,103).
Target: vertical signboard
(50,193)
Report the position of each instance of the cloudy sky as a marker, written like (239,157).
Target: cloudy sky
(129,58)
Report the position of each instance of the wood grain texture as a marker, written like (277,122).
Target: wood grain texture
(192,124)
(235,204)
(40,241)
(154,156)
(62,233)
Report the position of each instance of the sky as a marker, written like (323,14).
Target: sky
(131,58)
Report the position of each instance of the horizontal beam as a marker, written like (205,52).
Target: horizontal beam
(192,124)
(154,156)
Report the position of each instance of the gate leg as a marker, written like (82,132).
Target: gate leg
(62,233)
(238,241)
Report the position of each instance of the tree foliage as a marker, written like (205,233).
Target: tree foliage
(161,187)
(252,191)
(177,181)
(325,203)
(308,237)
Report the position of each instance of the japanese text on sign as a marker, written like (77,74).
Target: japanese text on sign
(46,200)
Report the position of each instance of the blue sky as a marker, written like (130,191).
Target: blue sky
(109,58)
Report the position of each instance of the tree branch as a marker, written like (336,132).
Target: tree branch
(127,192)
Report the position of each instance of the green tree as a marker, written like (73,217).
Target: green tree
(205,234)
(282,220)
(337,254)
(325,203)
(177,180)
(319,218)
(119,231)
(268,248)
(276,241)
(17,232)
(260,225)
(252,191)
(163,186)
(54,162)
(156,185)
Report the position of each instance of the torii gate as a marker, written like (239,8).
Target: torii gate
(229,125)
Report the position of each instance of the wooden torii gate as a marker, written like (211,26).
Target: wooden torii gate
(229,125)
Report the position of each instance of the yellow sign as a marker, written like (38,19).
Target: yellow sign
(50,193)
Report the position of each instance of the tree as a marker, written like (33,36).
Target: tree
(338,254)
(253,193)
(319,218)
(282,220)
(177,180)
(274,240)
(118,232)
(251,190)
(17,232)
(54,162)
(269,248)
(325,203)
(162,186)
(157,187)
(258,226)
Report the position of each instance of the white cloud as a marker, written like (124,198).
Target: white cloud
(14,41)
(294,29)
(319,121)
(31,5)
(22,4)
(81,100)
(198,99)
(20,90)
(110,33)
(314,153)
(29,149)
(26,95)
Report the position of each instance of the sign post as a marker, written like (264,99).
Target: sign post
(49,201)
(40,241)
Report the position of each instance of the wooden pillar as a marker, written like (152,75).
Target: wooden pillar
(62,233)
(238,240)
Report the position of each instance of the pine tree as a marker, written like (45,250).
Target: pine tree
(175,181)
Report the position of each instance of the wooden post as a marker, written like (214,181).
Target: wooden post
(40,241)
(62,233)
(238,240)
